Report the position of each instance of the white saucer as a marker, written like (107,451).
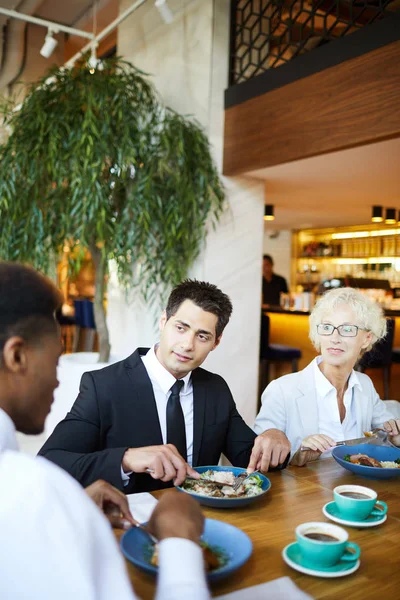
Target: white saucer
(292,556)
(331,511)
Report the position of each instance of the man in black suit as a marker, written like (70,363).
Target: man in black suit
(152,416)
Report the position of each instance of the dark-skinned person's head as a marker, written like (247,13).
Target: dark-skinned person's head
(30,345)
(191,326)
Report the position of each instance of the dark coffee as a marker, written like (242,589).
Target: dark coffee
(321,537)
(356,495)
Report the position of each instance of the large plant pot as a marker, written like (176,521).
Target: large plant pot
(70,370)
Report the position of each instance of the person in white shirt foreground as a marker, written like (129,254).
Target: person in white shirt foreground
(55,542)
(328,401)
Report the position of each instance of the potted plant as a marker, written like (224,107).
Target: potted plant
(95,161)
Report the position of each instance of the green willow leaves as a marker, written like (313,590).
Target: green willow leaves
(95,160)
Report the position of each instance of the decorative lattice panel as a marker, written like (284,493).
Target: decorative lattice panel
(269,33)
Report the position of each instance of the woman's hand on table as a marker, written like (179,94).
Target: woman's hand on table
(393,429)
(177,515)
(270,449)
(316,444)
(112,502)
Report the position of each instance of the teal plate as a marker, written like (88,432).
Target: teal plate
(292,556)
(331,511)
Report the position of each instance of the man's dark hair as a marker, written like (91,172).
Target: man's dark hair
(28,301)
(268,257)
(206,296)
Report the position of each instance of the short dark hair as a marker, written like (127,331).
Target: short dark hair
(28,301)
(268,257)
(206,296)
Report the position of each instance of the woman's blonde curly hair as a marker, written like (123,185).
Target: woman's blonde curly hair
(368,313)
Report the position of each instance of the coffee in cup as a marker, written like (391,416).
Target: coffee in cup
(323,545)
(356,502)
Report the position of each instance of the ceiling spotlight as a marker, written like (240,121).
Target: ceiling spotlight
(390,216)
(50,44)
(93,61)
(165,11)
(269,212)
(377,214)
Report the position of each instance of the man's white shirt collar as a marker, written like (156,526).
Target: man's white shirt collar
(8,438)
(159,373)
(324,386)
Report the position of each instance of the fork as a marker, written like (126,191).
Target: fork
(241,478)
(201,480)
(381,438)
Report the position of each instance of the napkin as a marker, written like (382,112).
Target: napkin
(141,506)
(278,589)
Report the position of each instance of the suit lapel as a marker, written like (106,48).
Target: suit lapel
(141,389)
(306,401)
(199,404)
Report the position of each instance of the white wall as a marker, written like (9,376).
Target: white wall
(279,245)
(189,63)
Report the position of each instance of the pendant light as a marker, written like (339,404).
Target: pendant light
(390,216)
(269,212)
(377,214)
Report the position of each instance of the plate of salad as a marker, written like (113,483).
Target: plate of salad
(225,549)
(221,494)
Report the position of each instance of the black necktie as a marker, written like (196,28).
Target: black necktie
(176,433)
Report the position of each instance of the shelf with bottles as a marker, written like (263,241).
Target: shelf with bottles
(363,242)
(353,260)
(307,274)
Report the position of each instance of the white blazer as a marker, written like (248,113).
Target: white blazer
(290,404)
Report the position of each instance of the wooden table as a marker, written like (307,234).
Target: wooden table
(297,496)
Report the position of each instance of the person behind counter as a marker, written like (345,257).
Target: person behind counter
(272,284)
(328,401)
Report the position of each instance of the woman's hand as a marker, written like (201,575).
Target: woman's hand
(393,429)
(317,444)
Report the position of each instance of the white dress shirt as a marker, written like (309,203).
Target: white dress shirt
(162,381)
(8,439)
(328,410)
(65,546)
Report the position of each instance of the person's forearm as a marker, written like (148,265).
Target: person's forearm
(300,459)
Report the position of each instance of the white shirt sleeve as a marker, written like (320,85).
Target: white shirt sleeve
(48,523)
(48,520)
(272,413)
(125,476)
(181,571)
(380,414)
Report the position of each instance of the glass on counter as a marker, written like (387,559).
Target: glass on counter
(297,301)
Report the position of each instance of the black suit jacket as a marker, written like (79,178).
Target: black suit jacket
(116,410)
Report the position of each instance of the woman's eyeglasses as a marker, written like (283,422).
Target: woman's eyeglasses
(343,330)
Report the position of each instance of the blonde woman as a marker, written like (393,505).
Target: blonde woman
(328,401)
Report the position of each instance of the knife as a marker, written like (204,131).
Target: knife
(354,442)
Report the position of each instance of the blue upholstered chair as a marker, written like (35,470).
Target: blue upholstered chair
(274,353)
(84,324)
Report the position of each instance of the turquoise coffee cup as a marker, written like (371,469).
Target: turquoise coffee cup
(361,507)
(328,551)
